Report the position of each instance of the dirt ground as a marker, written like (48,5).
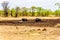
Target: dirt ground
(18,18)
(10,32)
(28,33)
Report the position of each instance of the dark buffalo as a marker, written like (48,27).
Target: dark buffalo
(24,20)
(37,20)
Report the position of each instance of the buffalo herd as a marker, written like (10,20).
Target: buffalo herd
(36,20)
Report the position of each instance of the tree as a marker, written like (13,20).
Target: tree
(29,13)
(58,4)
(12,12)
(39,9)
(17,11)
(1,12)
(57,13)
(33,10)
(24,11)
(5,7)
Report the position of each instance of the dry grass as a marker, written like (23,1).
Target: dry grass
(28,33)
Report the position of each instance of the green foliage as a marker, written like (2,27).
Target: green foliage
(13,12)
(57,13)
(24,11)
(1,13)
(33,11)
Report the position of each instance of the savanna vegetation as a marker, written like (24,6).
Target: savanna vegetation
(32,11)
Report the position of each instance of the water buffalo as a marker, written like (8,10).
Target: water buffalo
(24,20)
(37,20)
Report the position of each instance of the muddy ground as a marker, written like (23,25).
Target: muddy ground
(31,22)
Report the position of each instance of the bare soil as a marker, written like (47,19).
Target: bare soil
(29,33)
(13,29)
(18,18)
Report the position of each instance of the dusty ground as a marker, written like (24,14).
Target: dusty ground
(28,33)
(8,32)
(18,18)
